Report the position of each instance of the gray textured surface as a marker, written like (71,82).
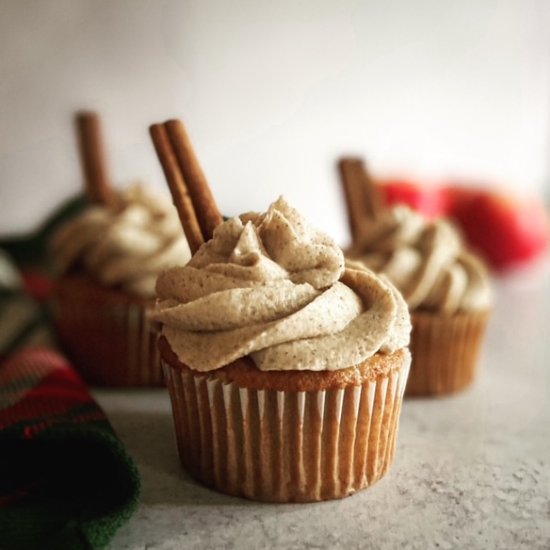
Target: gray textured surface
(471,471)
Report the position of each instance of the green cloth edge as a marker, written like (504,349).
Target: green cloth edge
(89,531)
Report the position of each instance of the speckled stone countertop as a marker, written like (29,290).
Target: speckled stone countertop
(471,471)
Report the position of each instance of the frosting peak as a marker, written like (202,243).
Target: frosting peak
(272,286)
(277,244)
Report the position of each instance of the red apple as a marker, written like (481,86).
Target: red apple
(428,200)
(504,229)
(458,197)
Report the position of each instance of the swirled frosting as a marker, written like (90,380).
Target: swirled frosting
(272,287)
(125,245)
(425,259)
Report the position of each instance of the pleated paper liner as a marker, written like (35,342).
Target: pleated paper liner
(286,446)
(445,351)
(106,334)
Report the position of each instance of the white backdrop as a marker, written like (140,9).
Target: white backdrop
(272,92)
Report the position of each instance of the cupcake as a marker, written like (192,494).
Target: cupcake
(445,285)
(286,367)
(107,261)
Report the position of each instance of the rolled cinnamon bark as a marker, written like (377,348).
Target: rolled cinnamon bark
(178,188)
(191,193)
(362,198)
(93,159)
(205,205)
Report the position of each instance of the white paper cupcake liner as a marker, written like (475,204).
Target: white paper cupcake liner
(282,446)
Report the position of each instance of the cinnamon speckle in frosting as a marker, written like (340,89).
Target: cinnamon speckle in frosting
(273,287)
(126,245)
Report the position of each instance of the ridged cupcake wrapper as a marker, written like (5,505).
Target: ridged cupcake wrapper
(445,352)
(281,446)
(110,344)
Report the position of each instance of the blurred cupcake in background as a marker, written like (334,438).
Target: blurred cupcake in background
(107,260)
(445,285)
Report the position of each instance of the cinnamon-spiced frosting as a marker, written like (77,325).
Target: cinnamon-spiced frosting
(125,245)
(425,259)
(272,287)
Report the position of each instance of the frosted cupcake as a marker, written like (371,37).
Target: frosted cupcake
(286,368)
(108,260)
(446,288)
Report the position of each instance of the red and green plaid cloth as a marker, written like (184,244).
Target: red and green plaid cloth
(66,481)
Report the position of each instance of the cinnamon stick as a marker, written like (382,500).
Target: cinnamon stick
(178,188)
(362,198)
(208,215)
(92,157)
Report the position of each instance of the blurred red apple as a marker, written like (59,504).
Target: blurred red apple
(458,197)
(428,200)
(504,229)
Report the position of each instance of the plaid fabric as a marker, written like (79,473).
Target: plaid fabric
(66,481)
(24,313)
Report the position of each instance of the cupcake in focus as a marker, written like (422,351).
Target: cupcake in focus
(446,287)
(286,368)
(107,261)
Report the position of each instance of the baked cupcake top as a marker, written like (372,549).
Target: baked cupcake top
(425,259)
(125,245)
(272,287)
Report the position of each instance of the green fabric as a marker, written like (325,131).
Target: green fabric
(83,489)
(32,249)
